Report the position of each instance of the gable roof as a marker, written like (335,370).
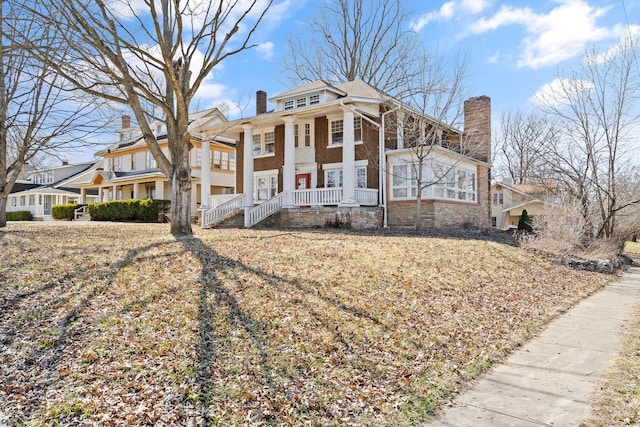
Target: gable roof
(359,89)
(313,86)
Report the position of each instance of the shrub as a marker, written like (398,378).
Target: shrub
(143,210)
(64,211)
(525,222)
(19,216)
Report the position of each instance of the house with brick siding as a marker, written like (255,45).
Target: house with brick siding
(339,154)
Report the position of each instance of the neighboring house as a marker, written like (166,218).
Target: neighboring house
(130,171)
(508,200)
(47,187)
(316,159)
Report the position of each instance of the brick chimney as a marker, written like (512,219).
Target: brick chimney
(126,122)
(477,127)
(261,102)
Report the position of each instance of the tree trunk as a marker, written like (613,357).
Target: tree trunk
(181,200)
(3,210)
(419,211)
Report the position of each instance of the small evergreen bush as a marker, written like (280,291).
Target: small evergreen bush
(525,223)
(19,216)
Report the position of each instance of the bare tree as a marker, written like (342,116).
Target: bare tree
(355,40)
(153,56)
(38,114)
(521,143)
(597,107)
(428,121)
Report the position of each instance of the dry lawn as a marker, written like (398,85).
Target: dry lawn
(122,324)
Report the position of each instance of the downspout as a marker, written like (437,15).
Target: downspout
(383,170)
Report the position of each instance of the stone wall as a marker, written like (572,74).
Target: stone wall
(357,218)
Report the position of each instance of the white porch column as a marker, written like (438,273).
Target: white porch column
(247,167)
(136,189)
(289,172)
(205,175)
(348,160)
(83,196)
(114,193)
(159,189)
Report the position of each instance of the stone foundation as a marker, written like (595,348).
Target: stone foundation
(357,218)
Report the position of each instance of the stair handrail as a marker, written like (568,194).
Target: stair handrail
(264,210)
(82,210)
(214,216)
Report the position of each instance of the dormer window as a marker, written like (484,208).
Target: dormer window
(314,99)
(301,102)
(288,105)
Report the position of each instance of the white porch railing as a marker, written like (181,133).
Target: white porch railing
(218,199)
(307,197)
(333,196)
(217,214)
(367,197)
(317,196)
(264,210)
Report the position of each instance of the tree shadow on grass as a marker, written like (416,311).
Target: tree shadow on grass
(209,341)
(42,360)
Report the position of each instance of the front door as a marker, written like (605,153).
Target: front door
(303,181)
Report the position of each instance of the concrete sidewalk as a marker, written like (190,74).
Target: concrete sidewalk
(550,381)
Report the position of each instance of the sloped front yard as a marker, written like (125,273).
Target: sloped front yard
(122,324)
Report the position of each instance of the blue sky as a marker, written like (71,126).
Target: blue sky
(515,48)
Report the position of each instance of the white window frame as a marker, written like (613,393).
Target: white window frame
(404,186)
(357,130)
(149,161)
(455,185)
(232,161)
(263,135)
(314,99)
(265,185)
(217,159)
(304,134)
(336,170)
(338,129)
(197,154)
(289,104)
(225,160)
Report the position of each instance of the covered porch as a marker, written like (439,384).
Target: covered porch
(227,205)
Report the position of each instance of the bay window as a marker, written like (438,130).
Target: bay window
(447,182)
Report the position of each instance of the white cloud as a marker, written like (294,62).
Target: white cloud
(265,49)
(449,10)
(495,58)
(560,34)
(558,91)
(629,39)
